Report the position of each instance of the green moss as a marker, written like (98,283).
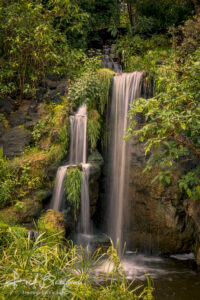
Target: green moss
(52,222)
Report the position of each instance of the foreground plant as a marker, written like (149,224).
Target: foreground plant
(32,268)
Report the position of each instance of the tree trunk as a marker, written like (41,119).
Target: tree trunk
(196,7)
(131,12)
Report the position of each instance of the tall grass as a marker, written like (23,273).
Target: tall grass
(42,268)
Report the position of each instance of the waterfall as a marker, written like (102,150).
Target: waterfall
(77,155)
(58,192)
(78,136)
(85,202)
(108,59)
(126,87)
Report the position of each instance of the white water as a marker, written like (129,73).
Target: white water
(126,88)
(78,136)
(77,155)
(85,200)
(58,192)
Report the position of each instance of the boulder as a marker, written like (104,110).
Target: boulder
(6,106)
(26,113)
(31,210)
(56,95)
(14,141)
(52,221)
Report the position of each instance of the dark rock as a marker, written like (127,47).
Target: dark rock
(57,77)
(31,210)
(30,125)
(160,62)
(96,160)
(27,112)
(17,118)
(43,195)
(6,106)
(50,84)
(57,94)
(14,141)
(155,217)
(40,92)
(2,129)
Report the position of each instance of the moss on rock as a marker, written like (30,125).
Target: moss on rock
(53,222)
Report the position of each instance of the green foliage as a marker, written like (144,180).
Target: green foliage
(33,42)
(150,17)
(94,128)
(6,235)
(43,268)
(16,181)
(186,38)
(92,88)
(139,53)
(38,131)
(171,130)
(103,14)
(6,182)
(73,188)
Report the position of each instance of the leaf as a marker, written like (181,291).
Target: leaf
(183,126)
(189,192)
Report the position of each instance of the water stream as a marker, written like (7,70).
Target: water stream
(77,156)
(126,88)
(85,223)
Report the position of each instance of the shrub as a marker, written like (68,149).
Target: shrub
(33,42)
(186,38)
(73,189)
(92,88)
(94,128)
(171,128)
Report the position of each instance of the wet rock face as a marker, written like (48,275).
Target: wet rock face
(96,161)
(193,211)
(155,218)
(14,141)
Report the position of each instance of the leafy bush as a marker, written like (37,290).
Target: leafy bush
(138,53)
(92,88)
(33,42)
(94,128)
(73,188)
(38,131)
(186,38)
(171,129)
(6,182)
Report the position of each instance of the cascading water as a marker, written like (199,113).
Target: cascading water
(85,201)
(58,192)
(78,136)
(126,87)
(109,58)
(77,155)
